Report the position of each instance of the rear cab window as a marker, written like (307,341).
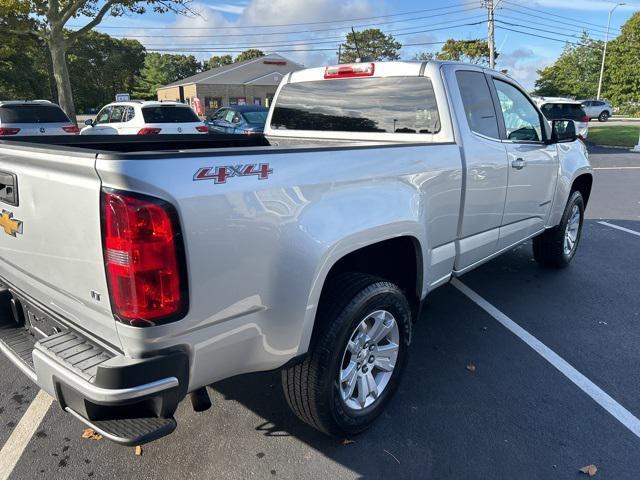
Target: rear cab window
(30,113)
(169,114)
(373,105)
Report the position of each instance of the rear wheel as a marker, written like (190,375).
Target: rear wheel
(604,116)
(557,246)
(356,357)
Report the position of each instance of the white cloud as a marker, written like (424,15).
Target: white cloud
(228,8)
(228,35)
(522,65)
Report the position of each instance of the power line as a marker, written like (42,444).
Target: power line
(539,14)
(576,30)
(340,39)
(399,32)
(295,31)
(548,38)
(601,27)
(325,22)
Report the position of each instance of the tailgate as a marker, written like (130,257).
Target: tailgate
(50,235)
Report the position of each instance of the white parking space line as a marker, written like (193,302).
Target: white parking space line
(21,435)
(587,386)
(616,168)
(618,227)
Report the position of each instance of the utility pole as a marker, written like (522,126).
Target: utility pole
(604,50)
(491,34)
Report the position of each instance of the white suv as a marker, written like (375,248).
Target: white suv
(145,118)
(34,117)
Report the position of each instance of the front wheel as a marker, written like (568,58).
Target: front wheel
(356,358)
(557,246)
(603,117)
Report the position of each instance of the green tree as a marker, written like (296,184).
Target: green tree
(101,66)
(161,69)
(47,20)
(468,51)
(621,84)
(23,68)
(424,56)
(372,43)
(249,55)
(575,72)
(219,61)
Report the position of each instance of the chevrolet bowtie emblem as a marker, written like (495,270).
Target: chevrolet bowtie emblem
(9,224)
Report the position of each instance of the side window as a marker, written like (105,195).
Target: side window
(521,119)
(236,118)
(220,114)
(103,115)
(129,114)
(478,104)
(229,116)
(117,112)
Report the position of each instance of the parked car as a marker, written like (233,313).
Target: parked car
(34,117)
(311,253)
(599,109)
(138,117)
(565,109)
(241,119)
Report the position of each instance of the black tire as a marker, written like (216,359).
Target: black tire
(604,116)
(548,247)
(311,387)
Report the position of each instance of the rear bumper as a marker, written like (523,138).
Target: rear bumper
(129,401)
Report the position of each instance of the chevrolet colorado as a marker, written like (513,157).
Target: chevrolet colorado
(141,270)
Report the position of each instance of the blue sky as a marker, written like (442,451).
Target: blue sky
(231,25)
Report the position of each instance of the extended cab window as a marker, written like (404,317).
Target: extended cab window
(521,119)
(383,105)
(169,114)
(478,104)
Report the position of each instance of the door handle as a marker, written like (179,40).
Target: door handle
(518,163)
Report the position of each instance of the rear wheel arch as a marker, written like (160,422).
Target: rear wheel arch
(397,260)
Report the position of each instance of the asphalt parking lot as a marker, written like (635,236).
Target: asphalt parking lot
(516,416)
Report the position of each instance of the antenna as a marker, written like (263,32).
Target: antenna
(355,40)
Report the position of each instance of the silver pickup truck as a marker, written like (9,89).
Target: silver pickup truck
(142,270)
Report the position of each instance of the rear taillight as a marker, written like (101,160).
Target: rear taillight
(350,70)
(9,131)
(144,259)
(149,131)
(202,128)
(71,129)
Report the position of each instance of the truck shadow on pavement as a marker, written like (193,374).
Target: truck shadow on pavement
(474,402)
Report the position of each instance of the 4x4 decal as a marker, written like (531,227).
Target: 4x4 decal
(221,174)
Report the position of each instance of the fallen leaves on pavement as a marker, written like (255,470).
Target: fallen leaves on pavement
(138,450)
(471,367)
(590,470)
(347,441)
(91,434)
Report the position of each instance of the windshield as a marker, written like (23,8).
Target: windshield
(563,111)
(256,117)
(169,114)
(390,104)
(32,114)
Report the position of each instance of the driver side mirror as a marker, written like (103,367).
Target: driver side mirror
(563,131)
(88,122)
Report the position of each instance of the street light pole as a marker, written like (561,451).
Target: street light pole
(604,51)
